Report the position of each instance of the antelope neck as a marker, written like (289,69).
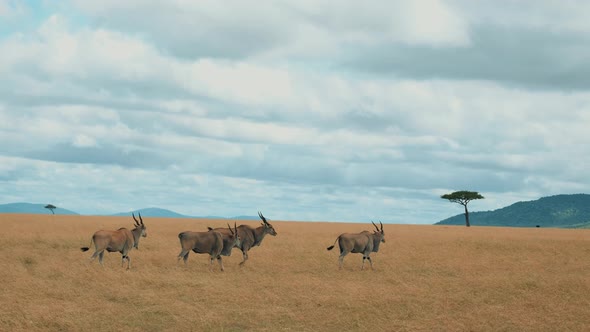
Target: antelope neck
(258,235)
(136,235)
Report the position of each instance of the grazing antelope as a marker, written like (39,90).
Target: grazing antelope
(364,242)
(121,240)
(251,237)
(211,243)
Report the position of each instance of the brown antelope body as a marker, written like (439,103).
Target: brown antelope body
(121,240)
(211,242)
(250,237)
(364,242)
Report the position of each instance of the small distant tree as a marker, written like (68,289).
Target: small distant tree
(51,207)
(463,197)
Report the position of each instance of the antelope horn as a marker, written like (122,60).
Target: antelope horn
(377,228)
(262,217)
(381,226)
(231,230)
(236,227)
(140,217)
(136,221)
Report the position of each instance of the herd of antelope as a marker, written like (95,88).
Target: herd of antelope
(219,242)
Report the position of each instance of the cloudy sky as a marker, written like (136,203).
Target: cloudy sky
(305,110)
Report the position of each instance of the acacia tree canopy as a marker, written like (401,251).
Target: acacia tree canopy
(463,197)
(51,207)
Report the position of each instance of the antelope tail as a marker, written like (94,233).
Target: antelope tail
(87,248)
(332,246)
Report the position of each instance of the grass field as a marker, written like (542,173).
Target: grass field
(426,278)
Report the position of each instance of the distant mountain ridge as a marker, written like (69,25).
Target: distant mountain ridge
(567,211)
(32,208)
(145,212)
(154,212)
(164,213)
(247,218)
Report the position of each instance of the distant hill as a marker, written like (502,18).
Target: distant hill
(31,208)
(568,211)
(246,218)
(145,212)
(164,213)
(154,212)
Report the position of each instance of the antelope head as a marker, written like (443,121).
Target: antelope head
(379,232)
(267,227)
(235,235)
(139,224)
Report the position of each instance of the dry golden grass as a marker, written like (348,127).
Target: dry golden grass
(426,278)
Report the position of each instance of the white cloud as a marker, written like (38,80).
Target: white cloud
(432,23)
(83,141)
(11,9)
(281,28)
(562,16)
(242,82)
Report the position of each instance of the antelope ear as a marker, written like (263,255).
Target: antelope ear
(209,228)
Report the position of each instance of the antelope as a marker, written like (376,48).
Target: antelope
(250,237)
(211,243)
(227,237)
(364,242)
(121,240)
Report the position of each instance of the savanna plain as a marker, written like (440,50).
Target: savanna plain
(426,278)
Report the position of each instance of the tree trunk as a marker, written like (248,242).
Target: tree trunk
(466,216)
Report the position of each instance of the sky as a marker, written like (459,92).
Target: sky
(304,110)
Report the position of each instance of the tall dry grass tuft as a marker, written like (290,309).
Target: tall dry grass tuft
(441,278)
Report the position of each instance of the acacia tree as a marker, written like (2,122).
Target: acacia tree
(51,207)
(463,197)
